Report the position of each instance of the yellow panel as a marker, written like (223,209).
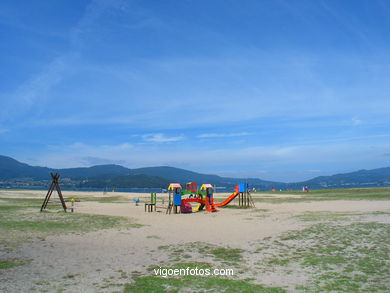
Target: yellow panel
(172,186)
(205,186)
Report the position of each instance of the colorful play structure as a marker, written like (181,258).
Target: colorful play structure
(204,197)
(150,206)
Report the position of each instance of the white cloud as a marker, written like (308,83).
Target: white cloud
(356,121)
(288,163)
(218,135)
(34,91)
(101,161)
(82,147)
(35,94)
(161,138)
(300,91)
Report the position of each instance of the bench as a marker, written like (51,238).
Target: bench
(150,207)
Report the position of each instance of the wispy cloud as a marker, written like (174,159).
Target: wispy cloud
(348,21)
(246,160)
(101,161)
(93,12)
(38,88)
(356,121)
(221,135)
(34,91)
(346,139)
(313,171)
(304,100)
(161,138)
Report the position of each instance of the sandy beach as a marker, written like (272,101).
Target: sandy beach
(103,255)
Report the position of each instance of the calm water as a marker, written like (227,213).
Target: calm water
(130,190)
(134,190)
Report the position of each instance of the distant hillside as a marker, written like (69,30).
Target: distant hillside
(119,176)
(361,178)
(82,173)
(125,181)
(183,176)
(176,174)
(10,168)
(102,175)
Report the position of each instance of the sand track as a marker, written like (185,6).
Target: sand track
(91,258)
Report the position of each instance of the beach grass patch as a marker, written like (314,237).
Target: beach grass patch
(190,283)
(235,207)
(326,216)
(377,193)
(10,263)
(21,221)
(153,237)
(351,257)
(227,254)
(104,199)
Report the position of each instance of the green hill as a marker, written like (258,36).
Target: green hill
(104,175)
(11,168)
(119,176)
(125,181)
(361,178)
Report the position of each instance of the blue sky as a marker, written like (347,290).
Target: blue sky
(280,90)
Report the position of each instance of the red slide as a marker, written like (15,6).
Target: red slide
(193,200)
(226,201)
(210,208)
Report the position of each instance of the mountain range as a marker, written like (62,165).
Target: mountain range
(13,172)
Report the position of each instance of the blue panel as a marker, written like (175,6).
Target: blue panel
(177,199)
(242,187)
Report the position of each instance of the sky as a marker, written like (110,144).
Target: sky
(274,89)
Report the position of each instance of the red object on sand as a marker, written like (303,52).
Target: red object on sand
(186,207)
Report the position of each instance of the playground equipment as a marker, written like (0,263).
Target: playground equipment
(204,197)
(54,184)
(209,198)
(174,198)
(152,204)
(244,197)
(72,201)
(191,187)
(193,192)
